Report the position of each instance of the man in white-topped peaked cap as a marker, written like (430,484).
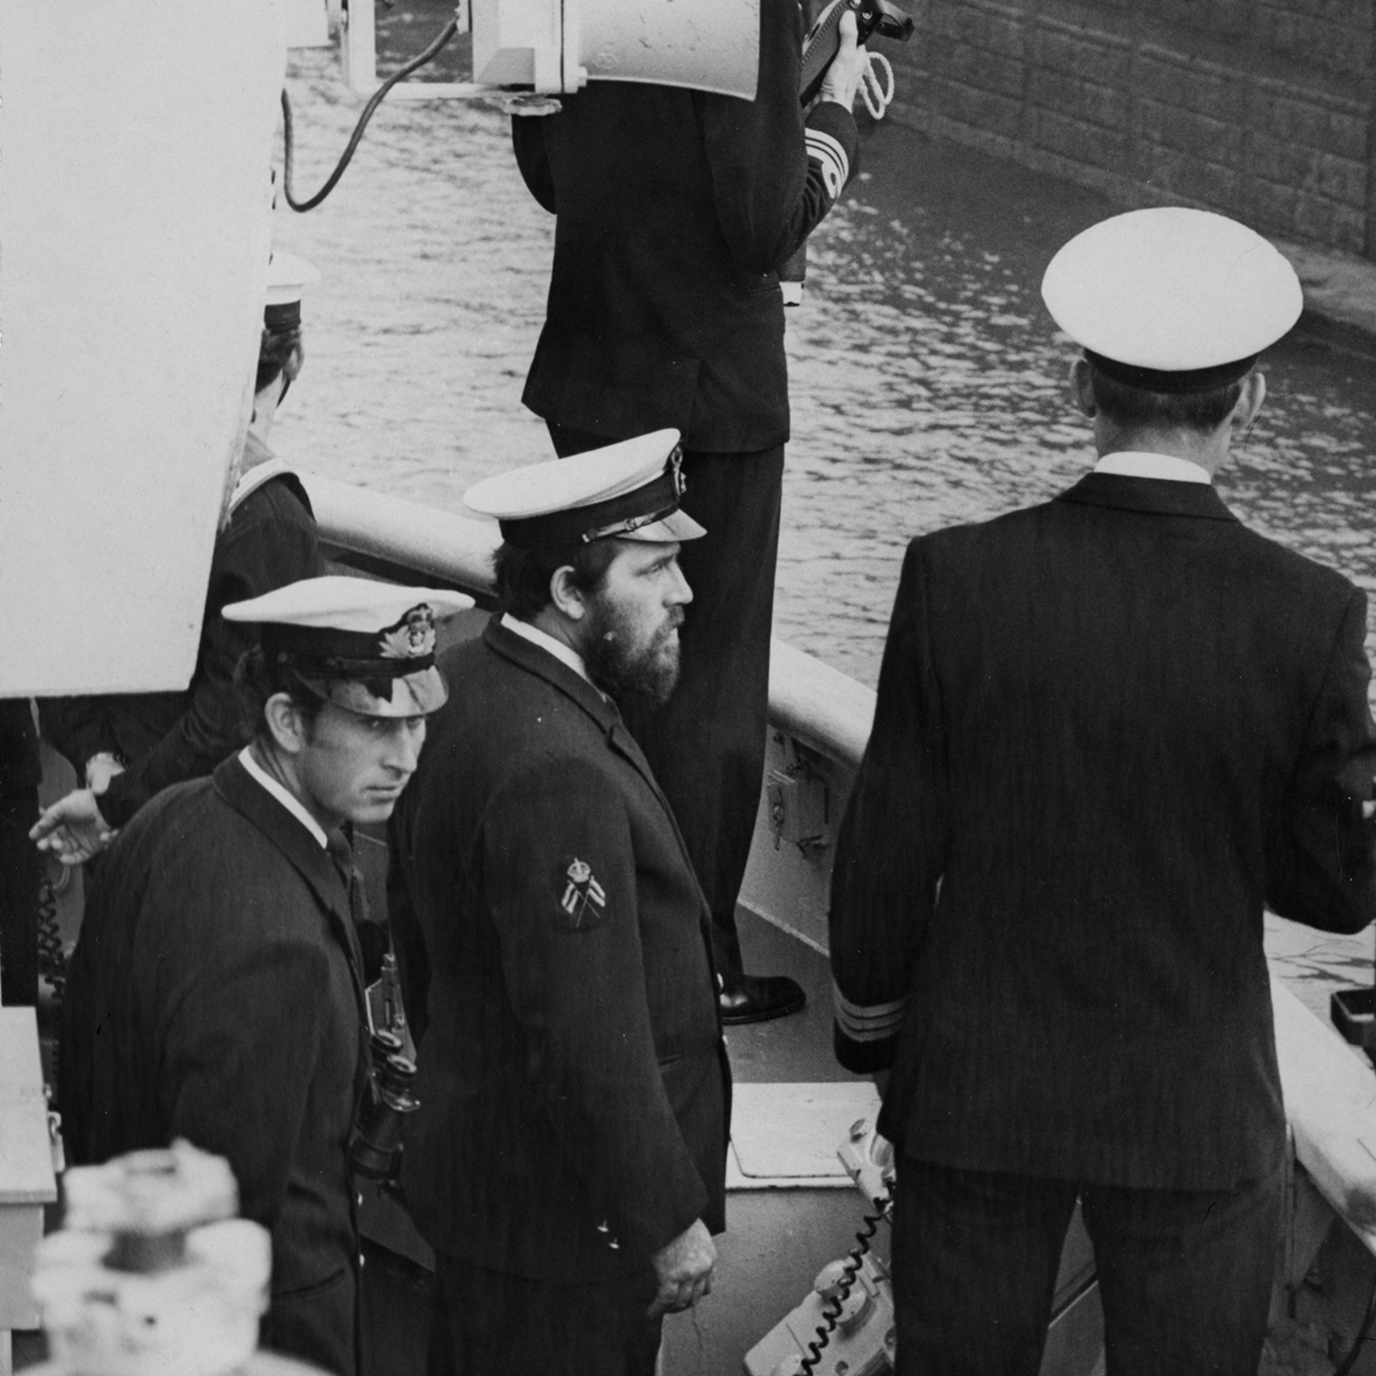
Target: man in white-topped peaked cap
(555,946)
(216,990)
(1111,730)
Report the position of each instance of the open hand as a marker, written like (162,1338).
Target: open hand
(72,828)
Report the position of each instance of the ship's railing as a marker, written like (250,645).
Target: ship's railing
(820,720)
(391,531)
(813,702)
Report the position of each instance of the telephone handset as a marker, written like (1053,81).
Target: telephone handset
(845,1326)
(827,1335)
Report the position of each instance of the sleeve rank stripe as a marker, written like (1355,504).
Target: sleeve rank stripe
(832,159)
(867,1022)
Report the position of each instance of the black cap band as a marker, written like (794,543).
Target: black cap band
(332,653)
(338,667)
(1188,380)
(282,319)
(600,520)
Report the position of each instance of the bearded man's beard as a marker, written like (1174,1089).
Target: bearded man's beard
(619,666)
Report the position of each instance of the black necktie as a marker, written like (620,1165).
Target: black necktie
(342,853)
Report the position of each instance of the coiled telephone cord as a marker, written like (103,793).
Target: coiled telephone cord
(52,963)
(831,1313)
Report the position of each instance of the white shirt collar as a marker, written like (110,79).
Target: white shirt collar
(565,654)
(1136,464)
(288,801)
(253,478)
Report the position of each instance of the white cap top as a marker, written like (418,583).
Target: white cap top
(630,490)
(363,645)
(287,276)
(1172,290)
(336,602)
(582,480)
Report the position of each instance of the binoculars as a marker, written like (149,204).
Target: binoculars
(375,1145)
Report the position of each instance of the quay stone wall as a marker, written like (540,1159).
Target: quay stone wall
(1261,109)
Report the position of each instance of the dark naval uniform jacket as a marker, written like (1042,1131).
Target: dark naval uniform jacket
(1111,730)
(557,968)
(675,211)
(165,738)
(214,994)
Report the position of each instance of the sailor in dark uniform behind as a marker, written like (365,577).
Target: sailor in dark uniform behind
(215,992)
(569,1162)
(125,747)
(675,211)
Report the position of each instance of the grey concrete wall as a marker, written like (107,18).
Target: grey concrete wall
(1262,109)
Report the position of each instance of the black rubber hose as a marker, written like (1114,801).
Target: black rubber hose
(450,29)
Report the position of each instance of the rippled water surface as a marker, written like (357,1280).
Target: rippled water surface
(928,382)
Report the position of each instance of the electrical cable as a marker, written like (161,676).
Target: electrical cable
(52,964)
(52,961)
(831,1312)
(376,99)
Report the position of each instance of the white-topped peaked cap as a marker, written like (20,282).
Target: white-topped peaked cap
(288,277)
(1180,299)
(363,645)
(625,491)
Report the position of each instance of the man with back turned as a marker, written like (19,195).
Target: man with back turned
(1111,730)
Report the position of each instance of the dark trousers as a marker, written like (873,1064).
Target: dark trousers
(487,1323)
(706,745)
(1184,1275)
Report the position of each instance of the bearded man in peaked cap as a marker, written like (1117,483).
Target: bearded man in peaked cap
(568,1165)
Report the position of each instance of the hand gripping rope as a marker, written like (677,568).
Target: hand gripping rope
(877,94)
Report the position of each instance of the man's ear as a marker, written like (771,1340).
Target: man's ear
(1250,401)
(286,723)
(1082,387)
(566,595)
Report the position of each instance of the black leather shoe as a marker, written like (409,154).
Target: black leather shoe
(758,998)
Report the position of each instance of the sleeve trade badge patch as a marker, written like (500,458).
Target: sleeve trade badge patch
(582,902)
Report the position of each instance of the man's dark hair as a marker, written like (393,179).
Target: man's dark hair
(1131,407)
(523,575)
(256,681)
(275,348)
